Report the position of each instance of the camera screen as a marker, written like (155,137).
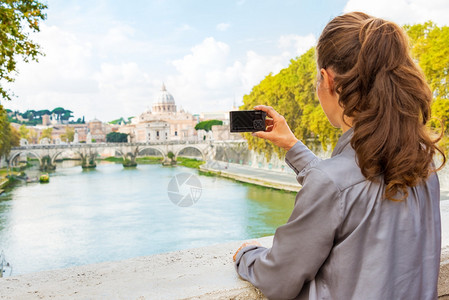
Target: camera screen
(247,120)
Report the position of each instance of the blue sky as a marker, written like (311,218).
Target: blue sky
(108,59)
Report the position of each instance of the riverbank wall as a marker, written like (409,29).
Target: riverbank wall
(277,179)
(199,273)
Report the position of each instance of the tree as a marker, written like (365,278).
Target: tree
(58,111)
(430,47)
(46,133)
(69,134)
(67,115)
(24,132)
(33,136)
(18,19)
(9,136)
(15,136)
(44,112)
(5,133)
(116,137)
(207,125)
(292,93)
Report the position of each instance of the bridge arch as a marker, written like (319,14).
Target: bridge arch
(153,148)
(17,154)
(122,154)
(191,146)
(55,155)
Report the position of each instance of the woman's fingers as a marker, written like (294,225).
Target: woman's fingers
(269,122)
(269,110)
(276,129)
(255,243)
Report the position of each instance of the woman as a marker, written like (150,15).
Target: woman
(366,223)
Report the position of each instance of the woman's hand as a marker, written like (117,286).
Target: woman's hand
(277,130)
(245,244)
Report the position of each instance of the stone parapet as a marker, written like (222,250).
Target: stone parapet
(200,273)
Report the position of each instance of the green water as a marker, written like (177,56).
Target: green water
(112,213)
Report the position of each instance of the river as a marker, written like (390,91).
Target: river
(111,213)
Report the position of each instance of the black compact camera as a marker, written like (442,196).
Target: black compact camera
(247,120)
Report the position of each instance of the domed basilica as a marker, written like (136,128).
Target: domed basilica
(163,122)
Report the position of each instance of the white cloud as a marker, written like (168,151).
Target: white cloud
(404,11)
(103,74)
(124,89)
(72,75)
(223,26)
(61,78)
(208,79)
(300,44)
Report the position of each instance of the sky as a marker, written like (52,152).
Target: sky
(108,59)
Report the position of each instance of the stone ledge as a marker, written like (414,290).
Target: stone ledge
(200,273)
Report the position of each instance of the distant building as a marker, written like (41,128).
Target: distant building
(46,120)
(163,122)
(221,132)
(98,130)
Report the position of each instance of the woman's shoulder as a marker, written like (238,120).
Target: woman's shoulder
(341,169)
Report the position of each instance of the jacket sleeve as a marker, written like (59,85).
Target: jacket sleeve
(301,246)
(301,159)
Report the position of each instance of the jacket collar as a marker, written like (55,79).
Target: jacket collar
(343,141)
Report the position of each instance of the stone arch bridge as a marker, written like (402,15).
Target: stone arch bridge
(48,154)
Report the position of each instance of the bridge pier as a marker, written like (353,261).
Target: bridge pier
(169,159)
(88,160)
(46,164)
(130,161)
(129,155)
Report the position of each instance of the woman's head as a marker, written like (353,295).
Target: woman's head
(382,91)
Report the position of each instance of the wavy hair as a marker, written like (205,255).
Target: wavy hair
(385,93)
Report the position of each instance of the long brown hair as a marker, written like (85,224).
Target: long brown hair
(386,94)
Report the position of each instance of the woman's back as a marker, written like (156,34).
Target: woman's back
(382,249)
(366,223)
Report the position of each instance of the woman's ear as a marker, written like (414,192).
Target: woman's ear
(327,79)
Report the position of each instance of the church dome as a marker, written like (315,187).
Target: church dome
(164,97)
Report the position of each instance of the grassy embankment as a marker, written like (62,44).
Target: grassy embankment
(7,177)
(180,161)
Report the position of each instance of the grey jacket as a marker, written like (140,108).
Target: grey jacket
(343,241)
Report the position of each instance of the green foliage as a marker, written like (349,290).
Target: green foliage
(170,155)
(69,134)
(24,132)
(18,19)
(430,47)
(15,137)
(34,117)
(149,159)
(292,93)
(114,159)
(207,125)
(116,137)
(121,120)
(46,133)
(189,162)
(9,136)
